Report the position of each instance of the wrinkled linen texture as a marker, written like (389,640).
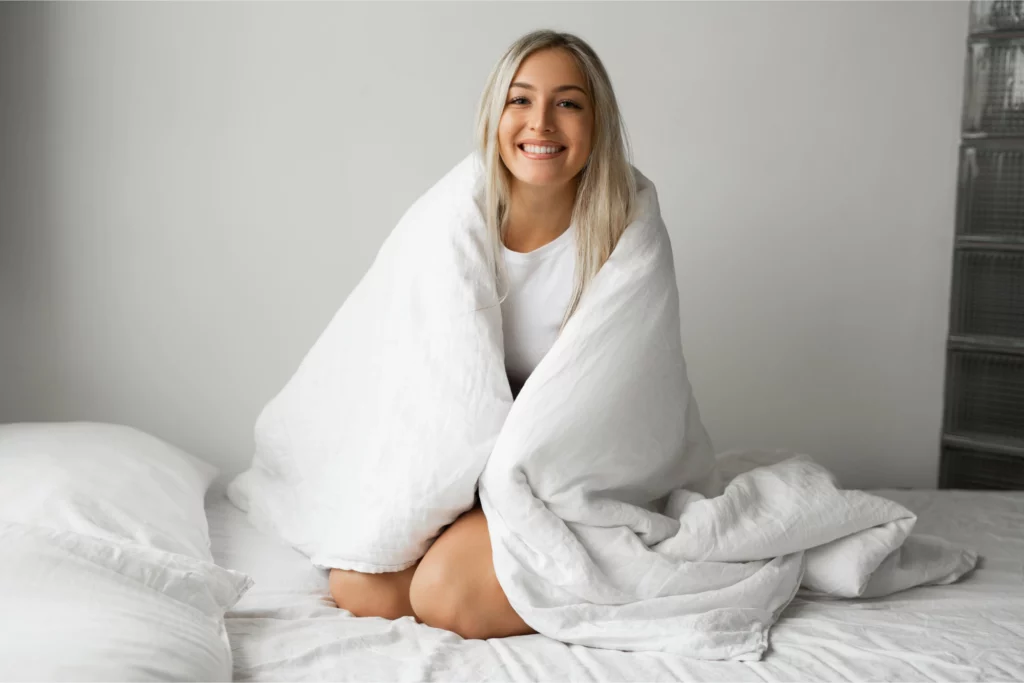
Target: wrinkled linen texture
(610,523)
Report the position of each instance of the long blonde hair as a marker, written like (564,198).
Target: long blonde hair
(606,194)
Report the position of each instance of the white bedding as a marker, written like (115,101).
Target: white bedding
(106,572)
(608,524)
(287,628)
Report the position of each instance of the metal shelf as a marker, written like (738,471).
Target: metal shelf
(992,242)
(1006,34)
(983,422)
(987,443)
(970,342)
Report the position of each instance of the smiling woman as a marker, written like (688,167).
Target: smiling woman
(544,137)
(559,193)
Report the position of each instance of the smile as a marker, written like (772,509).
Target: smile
(540,153)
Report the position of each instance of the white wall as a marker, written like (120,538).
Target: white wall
(191,190)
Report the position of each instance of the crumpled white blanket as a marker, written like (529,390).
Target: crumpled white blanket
(609,519)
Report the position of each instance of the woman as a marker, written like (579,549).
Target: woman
(559,175)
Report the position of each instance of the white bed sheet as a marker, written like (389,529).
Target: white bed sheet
(287,627)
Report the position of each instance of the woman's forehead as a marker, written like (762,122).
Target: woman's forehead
(549,69)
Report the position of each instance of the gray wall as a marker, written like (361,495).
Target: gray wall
(189,191)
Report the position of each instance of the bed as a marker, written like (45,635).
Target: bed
(122,563)
(286,626)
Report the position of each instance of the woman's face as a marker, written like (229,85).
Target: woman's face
(547,107)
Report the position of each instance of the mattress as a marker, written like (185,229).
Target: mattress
(288,628)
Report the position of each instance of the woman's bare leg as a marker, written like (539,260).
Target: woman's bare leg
(373,595)
(455,587)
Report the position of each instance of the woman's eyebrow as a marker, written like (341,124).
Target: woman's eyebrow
(561,88)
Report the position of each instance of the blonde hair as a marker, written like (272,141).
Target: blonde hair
(606,193)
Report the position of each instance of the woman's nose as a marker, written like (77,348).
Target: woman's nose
(542,119)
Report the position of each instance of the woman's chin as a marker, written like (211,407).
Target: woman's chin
(541,179)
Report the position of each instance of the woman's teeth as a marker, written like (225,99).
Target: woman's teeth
(534,149)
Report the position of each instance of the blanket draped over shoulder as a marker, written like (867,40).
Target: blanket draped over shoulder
(612,523)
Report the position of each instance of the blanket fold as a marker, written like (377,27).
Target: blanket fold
(612,523)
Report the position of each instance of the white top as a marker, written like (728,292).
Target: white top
(540,284)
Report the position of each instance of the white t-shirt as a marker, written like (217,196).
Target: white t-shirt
(540,284)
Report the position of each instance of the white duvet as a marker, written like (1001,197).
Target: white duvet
(609,523)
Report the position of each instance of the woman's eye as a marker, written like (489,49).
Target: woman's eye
(522,100)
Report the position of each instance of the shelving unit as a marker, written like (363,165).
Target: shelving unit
(983,433)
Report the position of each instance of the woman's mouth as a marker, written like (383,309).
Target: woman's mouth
(541,152)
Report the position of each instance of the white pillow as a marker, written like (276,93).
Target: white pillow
(76,607)
(107,481)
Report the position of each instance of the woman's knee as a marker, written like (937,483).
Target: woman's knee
(442,596)
(372,595)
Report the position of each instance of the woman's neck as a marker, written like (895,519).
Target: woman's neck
(538,215)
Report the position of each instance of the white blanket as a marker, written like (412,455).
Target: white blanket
(608,519)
